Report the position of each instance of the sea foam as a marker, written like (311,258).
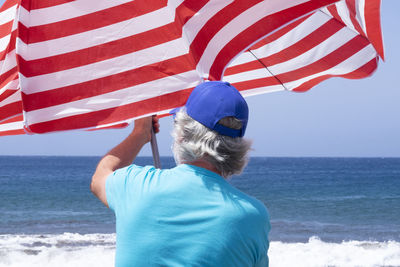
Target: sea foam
(316,253)
(99,250)
(57,250)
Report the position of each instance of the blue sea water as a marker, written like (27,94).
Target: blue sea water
(46,202)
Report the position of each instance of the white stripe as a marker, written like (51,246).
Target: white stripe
(344,14)
(9,62)
(316,53)
(352,63)
(103,68)
(11,126)
(8,15)
(325,11)
(4,42)
(262,90)
(248,75)
(125,96)
(253,75)
(101,126)
(15,97)
(98,36)
(239,24)
(296,34)
(197,22)
(12,85)
(243,58)
(360,9)
(65,11)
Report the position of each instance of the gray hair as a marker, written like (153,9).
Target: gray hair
(195,141)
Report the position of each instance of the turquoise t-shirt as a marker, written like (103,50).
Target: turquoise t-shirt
(185,216)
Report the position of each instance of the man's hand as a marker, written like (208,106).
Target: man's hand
(143,127)
(123,154)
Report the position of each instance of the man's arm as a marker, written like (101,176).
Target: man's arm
(122,155)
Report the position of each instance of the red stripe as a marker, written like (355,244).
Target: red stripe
(252,65)
(351,7)
(7,4)
(215,24)
(362,72)
(112,49)
(258,30)
(333,10)
(122,124)
(10,110)
(5,29)
(111,115)
(256,83)
(332,59)
(278,34)
(8,76)
(10,46)
(89,22)
(37,4)
(12,132)
(187,9)
(18,117)
(6,94)
(108,84)
(310,41)
(373,25)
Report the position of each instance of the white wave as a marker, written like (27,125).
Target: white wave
(316,253)
(99,249)
(57,250)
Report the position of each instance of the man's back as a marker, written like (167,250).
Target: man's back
(185,216)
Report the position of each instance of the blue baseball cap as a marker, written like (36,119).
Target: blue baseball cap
(211,101)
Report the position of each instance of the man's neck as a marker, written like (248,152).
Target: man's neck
(204,164)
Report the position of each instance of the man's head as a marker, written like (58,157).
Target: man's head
(210,127)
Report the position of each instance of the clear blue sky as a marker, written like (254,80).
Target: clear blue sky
(339,117)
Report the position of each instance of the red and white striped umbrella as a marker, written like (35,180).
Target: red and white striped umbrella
(77,65)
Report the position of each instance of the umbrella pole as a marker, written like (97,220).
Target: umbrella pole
(154,149)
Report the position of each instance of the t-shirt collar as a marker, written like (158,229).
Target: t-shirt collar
(201,170)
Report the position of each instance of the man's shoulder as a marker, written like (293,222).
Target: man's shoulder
(251,208)
(246,210)
(129,175)
(136,170)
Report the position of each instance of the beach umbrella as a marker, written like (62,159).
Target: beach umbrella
(70,65)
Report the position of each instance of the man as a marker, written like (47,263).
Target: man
(189,215)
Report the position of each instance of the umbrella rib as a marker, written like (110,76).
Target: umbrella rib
(262,63)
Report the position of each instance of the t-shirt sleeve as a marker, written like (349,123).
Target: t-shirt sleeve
(118,183)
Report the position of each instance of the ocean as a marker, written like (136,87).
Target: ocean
(324,211)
